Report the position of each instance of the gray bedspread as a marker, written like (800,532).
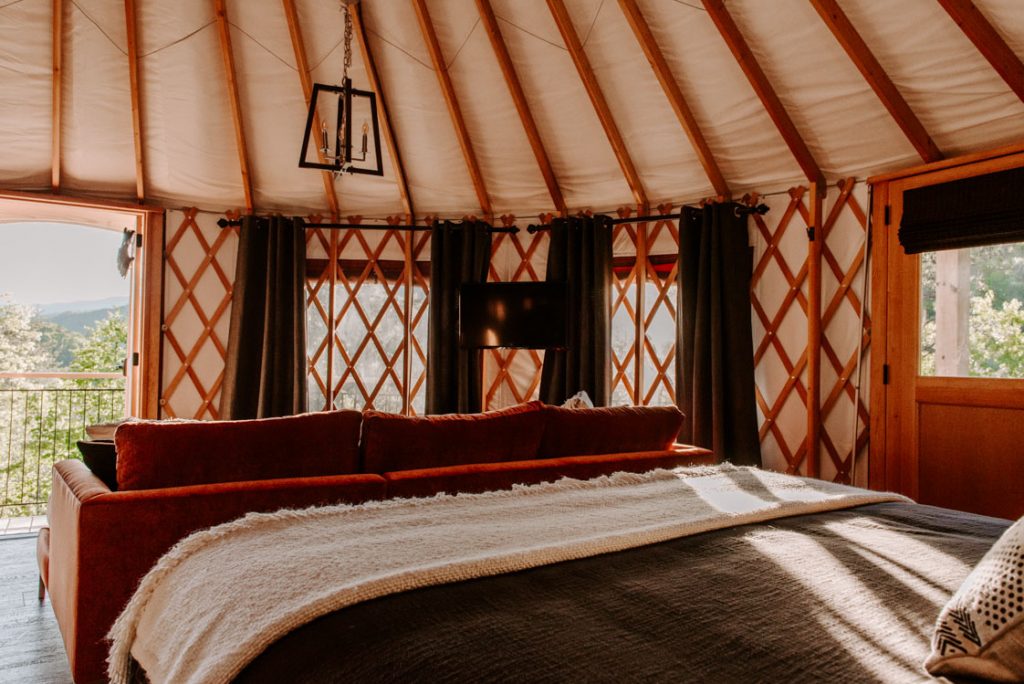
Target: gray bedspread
(847,596)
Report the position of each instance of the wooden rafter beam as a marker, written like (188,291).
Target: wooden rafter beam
(759,81)
(58,70)
(875,75)
(302,64)
(675,96)
(988,41)
(387,129)
(515,88)
(131,26)
(224,31)
(604,114)
(448,90)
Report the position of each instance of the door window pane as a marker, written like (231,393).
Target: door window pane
(972,310)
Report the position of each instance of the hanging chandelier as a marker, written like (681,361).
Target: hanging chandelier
(336,150)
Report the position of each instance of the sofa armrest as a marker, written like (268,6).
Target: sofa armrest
(78,480)
(104,542)
(699,455)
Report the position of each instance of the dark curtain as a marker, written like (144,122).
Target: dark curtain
(265,373)
(580,255)
(459,253)
(715,350)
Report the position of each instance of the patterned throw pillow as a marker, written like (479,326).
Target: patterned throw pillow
(980,632)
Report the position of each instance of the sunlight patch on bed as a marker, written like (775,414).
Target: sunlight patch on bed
(848,610)
(744,490)
(917,559)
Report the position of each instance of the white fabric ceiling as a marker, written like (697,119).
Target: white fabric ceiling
(189,140)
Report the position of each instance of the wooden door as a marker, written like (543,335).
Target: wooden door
(943,440)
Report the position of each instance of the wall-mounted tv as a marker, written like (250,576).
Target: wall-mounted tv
(517,315)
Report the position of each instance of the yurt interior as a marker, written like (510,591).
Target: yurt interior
(511,341)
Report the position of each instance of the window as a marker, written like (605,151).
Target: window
(972,311)
(64,328)
(643,373)
(359,308)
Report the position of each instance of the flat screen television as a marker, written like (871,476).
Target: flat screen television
(517,315)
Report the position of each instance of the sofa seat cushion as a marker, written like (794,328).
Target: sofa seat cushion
(608,430)
(483,477)
(154,454)
(392,442)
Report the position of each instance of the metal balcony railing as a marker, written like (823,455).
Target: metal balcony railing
(42,416)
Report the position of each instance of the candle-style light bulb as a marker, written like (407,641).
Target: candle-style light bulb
(366,129)
(323,138)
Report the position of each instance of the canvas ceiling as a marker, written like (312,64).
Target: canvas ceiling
(191,156)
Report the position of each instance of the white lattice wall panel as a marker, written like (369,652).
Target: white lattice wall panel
(371,291)
(199,269)
(779,305)
(643,302)
(367,307)
(844,429)
(512,376)
(624,314)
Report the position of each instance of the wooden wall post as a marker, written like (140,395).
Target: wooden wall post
(56,94)
(816,237)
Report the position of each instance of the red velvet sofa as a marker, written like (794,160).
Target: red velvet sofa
(176,478)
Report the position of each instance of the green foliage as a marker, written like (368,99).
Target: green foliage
(996,319)
(996,334)
(995,338)
(104,347)
(999,269)
(20,347)
(47,419)
(57,342)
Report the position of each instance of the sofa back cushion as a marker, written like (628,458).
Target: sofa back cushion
(608,430)
(392,442)
(153,455)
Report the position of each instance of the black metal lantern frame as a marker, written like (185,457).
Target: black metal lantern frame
(343,159)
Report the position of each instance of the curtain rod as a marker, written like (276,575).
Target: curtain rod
(758,209)
(224,223)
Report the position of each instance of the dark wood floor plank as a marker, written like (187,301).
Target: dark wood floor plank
(31,649)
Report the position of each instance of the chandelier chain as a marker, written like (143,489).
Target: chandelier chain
(348,40)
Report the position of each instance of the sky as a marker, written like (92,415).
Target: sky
(44,263)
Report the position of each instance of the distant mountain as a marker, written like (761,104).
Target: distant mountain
(48,310)
(79,321)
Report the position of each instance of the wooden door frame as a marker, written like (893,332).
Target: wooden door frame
(147,275)
(896,387)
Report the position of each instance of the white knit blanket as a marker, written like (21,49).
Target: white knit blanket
(221,596)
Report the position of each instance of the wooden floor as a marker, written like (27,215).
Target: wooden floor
(31,651)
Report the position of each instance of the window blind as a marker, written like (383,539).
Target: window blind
(970,212)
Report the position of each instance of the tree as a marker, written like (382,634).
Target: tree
(996,336)
(20,348)
(104,347)
(58,342)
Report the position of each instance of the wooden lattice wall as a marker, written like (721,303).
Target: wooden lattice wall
(779,306)
(645,272)
(199,270)
(366,309)
(365,285)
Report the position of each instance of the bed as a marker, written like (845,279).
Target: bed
(846,592)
